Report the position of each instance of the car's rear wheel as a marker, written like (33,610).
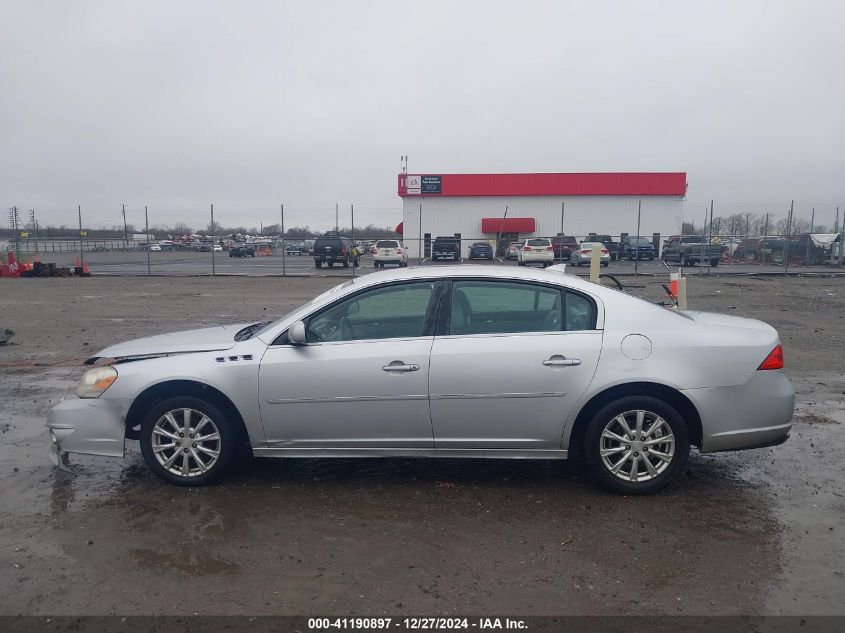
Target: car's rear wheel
(187,441)
(636,445)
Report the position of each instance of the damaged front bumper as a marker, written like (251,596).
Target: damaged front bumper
(94,426)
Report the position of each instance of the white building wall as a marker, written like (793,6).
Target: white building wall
(610,215)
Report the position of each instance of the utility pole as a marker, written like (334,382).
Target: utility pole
(786,242)
(419,243)
(81,254)
(125,228)
(284,270)
(710,239)
(147,220)
(213,271)
(809,238)
(637,258)
(336,228)
(352,237)
(562,211)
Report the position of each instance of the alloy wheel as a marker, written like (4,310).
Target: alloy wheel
(637,445)
(186,442)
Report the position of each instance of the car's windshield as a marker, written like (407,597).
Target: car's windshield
(272,324)
(639,241)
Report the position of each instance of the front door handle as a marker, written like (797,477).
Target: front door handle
(561,361)
(397,366)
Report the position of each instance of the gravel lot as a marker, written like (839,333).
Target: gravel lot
(759,532)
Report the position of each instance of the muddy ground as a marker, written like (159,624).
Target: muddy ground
(759,532)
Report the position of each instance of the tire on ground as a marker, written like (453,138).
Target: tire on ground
(596,426)
(228,440)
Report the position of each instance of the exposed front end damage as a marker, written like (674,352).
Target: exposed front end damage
(93,426)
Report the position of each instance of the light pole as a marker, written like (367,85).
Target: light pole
(125,228)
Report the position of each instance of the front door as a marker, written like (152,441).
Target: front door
(516,358)
(361,381)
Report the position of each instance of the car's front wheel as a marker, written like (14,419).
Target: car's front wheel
(187,441)
(636,445)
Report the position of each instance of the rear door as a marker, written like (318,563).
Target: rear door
(512,360)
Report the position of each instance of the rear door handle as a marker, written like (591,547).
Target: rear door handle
(561,361)
(397,366)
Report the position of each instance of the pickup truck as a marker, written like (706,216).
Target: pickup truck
(691,249)
(445,248)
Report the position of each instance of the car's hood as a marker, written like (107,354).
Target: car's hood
(203,340)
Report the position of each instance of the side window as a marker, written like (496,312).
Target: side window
(396,311)
(579,312)
(493,307)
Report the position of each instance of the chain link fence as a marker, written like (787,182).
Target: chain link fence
(746,247)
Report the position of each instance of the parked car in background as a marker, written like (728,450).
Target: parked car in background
(563,246)
(242,250)
(217,248)
(390,252)
(204,247)
(536,250)
(487,361)
(446,248)
(154,248)
(688,250)
(513,250)
(608,242)
(584,253)
(331,250)
(166,245)
(635,248)
(481,250)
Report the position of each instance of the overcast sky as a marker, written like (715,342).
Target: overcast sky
(247,104)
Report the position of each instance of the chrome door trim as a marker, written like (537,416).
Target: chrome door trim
(347,399)
(481,396)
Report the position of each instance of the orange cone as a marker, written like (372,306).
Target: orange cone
(85,268)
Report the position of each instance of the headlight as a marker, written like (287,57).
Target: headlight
(95,381)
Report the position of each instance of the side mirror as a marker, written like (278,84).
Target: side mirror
(296,333)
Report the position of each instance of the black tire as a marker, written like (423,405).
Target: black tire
(714,263)
(375,264)
(227,442)
(593,445)
(318,264)
(651,259)
(605,264)
(346,264)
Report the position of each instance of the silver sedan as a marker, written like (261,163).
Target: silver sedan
(468,361)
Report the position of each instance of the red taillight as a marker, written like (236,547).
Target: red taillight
(774,360)
(527,249)
(584,252)
(343,251)
(604,251)
(550,249)
(398,251)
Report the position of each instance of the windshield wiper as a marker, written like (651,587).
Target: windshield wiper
(247,332)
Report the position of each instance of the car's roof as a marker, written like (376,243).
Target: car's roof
(553,274)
